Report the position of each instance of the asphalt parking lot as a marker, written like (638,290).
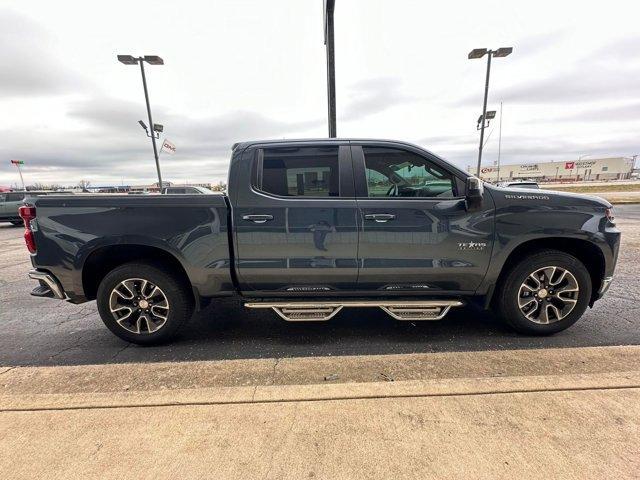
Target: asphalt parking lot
(49,332)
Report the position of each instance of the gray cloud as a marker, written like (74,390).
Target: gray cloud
(536,44)
(372,96)
(29,65)
(112,144)
(604,114)
(529,149)
(609,74)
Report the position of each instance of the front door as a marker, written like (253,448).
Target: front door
(296,219)
(417,233)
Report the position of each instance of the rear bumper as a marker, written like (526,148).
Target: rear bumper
(49,285)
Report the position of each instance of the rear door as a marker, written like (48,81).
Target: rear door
(295,218)
(417,233)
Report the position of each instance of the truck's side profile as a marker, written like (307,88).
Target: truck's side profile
(313,226)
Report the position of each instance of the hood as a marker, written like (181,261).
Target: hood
(568,198)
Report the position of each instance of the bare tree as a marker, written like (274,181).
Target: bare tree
(220,187)
(84,185)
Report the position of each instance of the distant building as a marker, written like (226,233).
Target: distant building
(614,168)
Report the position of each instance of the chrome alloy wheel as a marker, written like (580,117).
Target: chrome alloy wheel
(548,295)
(139,306)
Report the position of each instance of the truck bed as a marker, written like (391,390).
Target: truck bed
(74,230)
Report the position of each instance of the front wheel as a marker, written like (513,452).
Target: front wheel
(143,303)
(545,293)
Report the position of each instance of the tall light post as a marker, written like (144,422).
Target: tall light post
(329,6)
(17,163)
(479,53)
(500,142)
(151,60)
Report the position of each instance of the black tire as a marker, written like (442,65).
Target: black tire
(179,311)
(508,293)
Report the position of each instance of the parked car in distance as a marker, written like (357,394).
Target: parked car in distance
(187,189)
(310,227)
(531,184)
(10,202)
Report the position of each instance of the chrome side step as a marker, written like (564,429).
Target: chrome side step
(322,311)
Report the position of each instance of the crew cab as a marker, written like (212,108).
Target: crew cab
(311,227)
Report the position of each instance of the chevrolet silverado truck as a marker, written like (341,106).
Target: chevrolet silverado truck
(311,227)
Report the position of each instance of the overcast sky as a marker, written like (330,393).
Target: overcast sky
(240,70)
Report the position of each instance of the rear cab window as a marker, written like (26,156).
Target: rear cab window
(306,171)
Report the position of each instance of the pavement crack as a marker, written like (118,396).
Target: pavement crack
(8,370)
(75,345)
(273,373)
(76,316)
(120,351)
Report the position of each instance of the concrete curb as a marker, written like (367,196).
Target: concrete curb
(329,392)
(172,376)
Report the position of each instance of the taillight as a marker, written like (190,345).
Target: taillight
(28,213)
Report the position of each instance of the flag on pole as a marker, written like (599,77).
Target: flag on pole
(168,147)
(17,162)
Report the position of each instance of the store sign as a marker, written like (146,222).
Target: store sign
(585,164)
(529,167)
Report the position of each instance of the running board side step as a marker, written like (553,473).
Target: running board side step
(322,311)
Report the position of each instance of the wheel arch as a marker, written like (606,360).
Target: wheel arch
(104,259)
(585,251)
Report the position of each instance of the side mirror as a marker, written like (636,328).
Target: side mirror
(475,191)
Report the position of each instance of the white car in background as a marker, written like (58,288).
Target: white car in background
(187,190)
(529,184)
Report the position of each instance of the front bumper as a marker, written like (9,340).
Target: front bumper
(49,285)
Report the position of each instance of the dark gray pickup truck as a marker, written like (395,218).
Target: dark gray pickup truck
(310,227)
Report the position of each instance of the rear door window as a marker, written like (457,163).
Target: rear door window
(308,171)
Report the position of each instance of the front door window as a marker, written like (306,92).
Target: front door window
(399,173)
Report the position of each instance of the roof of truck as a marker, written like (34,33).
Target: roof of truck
(334,141)
(247,143)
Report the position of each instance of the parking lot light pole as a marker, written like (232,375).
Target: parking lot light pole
(329,6)
(151,60)
(479,53)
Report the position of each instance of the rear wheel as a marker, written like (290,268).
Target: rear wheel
(143,304)
(545,293)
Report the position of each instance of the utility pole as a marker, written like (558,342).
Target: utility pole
(329,6)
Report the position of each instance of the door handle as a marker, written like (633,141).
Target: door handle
(380,217)
(257,218)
